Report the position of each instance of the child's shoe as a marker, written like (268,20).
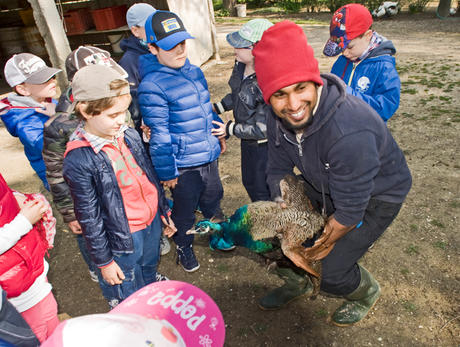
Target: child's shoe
(218,217)
(165,247)
(186,258)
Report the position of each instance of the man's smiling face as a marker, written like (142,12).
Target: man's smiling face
(294,104)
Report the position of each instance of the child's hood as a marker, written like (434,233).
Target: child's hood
(14,100)
(76,141)
(385,48)
(149,63)
(132,43)
(15,109)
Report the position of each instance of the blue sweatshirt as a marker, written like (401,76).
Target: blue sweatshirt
(374,79)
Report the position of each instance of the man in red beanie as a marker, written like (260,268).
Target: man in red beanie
(355,173)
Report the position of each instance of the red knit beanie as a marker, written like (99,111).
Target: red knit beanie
(283,57)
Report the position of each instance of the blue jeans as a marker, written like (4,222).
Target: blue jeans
(85,253)
(197,186)
(139,267)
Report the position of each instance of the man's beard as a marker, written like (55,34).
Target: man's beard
(289,126)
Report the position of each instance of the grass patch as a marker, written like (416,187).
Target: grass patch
(413,227)
(405,271)
(321,313)
(440,244)
(437,223)
(454,204)
(409,306)
(412,250)
(223,268)
(409,91)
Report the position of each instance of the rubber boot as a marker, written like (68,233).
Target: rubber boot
(359,302)
(295,285)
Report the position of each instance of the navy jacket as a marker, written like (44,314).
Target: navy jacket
(130,62)
(175,104)
(374,80)
(347,152)
(248,105)
(98,201)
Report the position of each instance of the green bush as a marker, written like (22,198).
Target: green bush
(291,6)
(417,6)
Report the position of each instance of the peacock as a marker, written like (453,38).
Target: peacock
(252,224)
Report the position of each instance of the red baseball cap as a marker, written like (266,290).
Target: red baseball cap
(347,23)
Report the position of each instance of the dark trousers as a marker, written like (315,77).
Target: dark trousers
(254,158)
(197,186)
(139,266)
(14,330)
(340,271)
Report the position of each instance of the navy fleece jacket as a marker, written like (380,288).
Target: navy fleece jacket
(347,152)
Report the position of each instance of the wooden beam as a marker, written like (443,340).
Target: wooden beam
(50,26)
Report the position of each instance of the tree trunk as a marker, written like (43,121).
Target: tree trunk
(443,8)
(230,6)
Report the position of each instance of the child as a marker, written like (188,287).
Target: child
(367,64)
(56,133)
(117,197)
(135,46)
(249,110)
(27,230)
(175,104)
(30,105)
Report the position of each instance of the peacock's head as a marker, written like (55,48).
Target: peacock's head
(204,227)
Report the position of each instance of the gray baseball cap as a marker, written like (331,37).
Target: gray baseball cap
(138,13)
(92,82)
(29,68)
(87,55)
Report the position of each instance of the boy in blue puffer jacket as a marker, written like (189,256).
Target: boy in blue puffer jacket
(175,104)
(367,64)
(29,106)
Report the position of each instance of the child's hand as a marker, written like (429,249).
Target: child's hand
(223,145)
(75,227)
(220,131)
(112,274)
(169,229)
(48,110)
(33,210)
(170,184)
(146,132)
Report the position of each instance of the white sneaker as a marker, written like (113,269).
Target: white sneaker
(159,277)
(93,276)
(165,247)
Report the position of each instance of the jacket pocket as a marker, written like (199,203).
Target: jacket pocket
(180,147)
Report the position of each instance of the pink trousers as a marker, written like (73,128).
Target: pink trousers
(42,317)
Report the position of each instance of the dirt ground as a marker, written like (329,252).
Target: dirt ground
(416,261)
